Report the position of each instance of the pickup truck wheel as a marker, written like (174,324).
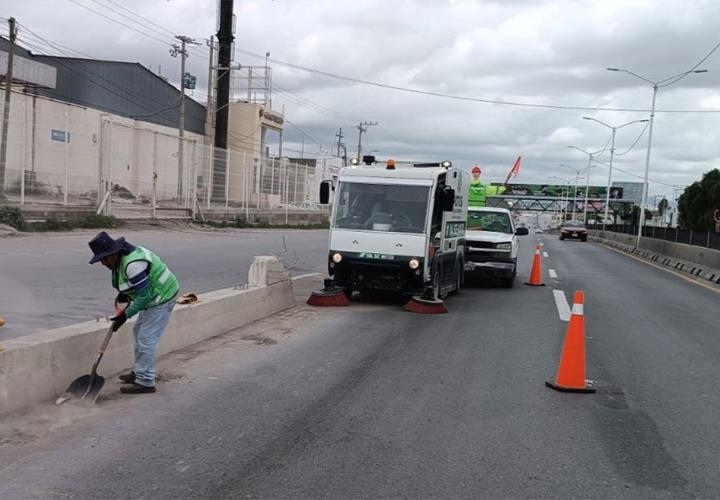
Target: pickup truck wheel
(510,282)
(507,282)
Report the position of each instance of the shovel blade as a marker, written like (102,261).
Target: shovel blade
(86,389)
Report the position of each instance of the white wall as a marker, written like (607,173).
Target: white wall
(126,144)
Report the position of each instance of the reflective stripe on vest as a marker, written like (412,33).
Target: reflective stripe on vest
(163,283)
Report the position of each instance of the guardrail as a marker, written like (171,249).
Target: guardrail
(706,239)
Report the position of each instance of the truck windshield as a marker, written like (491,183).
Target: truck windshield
(382,207)
(497,222)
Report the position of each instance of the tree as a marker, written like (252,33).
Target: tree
(698,201)
(633,215)
(662,207)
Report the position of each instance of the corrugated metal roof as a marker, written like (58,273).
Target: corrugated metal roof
(123,88)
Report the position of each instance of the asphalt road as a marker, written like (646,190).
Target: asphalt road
(46,282)
(371,401)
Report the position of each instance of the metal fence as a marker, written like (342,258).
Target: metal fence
(70,156)
(707,239)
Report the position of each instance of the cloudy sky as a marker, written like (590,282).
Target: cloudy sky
(529,52)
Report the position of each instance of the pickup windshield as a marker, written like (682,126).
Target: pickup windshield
(382,207)
(497,222)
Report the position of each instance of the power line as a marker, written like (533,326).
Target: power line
(464,98)
(141,17)
(164,42)
(303,132)
(128,96)
(254,142)
(642,132)
(312,106)
(688,72)
(131,97)
(144,22)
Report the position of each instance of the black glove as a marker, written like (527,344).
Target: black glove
(122,299)
(118,321)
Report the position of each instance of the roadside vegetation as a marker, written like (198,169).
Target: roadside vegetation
(698,202)
(13,217)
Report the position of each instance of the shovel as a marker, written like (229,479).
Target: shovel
(87,388)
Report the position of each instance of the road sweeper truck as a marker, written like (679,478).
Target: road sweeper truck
(397,227)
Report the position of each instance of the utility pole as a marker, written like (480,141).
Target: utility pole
(182,50)
(6,106)
(340,144)
(225,40)
(362,128)
(339,136)
(211,88)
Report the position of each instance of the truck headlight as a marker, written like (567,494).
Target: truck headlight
(414,264)
(504,246)
(337,258)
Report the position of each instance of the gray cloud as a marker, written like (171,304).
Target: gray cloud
(530,51)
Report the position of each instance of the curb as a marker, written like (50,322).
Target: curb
(682,266)
(37,368)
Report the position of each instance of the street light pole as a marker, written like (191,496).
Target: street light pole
(587,180)
(641,220)
(612,155)
(587,188)
(609,181)
(656,86)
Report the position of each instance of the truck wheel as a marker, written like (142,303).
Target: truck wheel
(348,293)
(458,280)
(436,286)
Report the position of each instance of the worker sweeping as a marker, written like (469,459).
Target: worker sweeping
(144,280)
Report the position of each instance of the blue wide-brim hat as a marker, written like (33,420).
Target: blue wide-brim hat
(103,246)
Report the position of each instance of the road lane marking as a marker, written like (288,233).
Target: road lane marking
(562,305)
(686,278)
(545,254)
(552,273)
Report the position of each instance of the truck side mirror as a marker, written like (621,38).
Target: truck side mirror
(522,231)
(325,192)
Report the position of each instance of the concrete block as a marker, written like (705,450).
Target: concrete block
(267,270)
(39,367)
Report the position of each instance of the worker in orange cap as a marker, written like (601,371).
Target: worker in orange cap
(477,195)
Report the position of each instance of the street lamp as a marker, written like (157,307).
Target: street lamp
(612,154)
(564,195)
(587,177)
(655,85)
(577,179)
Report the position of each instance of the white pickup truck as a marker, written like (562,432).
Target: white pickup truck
(491,244)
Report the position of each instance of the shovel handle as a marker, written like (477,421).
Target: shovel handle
(102,348)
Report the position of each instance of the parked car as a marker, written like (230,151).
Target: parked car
(574,230)
(491,244)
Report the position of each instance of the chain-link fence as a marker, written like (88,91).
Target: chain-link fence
(69,156)
(707,239)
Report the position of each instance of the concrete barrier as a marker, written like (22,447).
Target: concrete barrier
(39,367)
(693,260)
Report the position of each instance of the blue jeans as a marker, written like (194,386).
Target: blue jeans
(148,329)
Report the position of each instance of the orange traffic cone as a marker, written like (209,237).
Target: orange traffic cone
(536,271)
(571,372)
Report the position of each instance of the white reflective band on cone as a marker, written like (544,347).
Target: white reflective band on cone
(578,309)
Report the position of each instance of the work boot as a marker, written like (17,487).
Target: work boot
(128,378)
(137,389)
